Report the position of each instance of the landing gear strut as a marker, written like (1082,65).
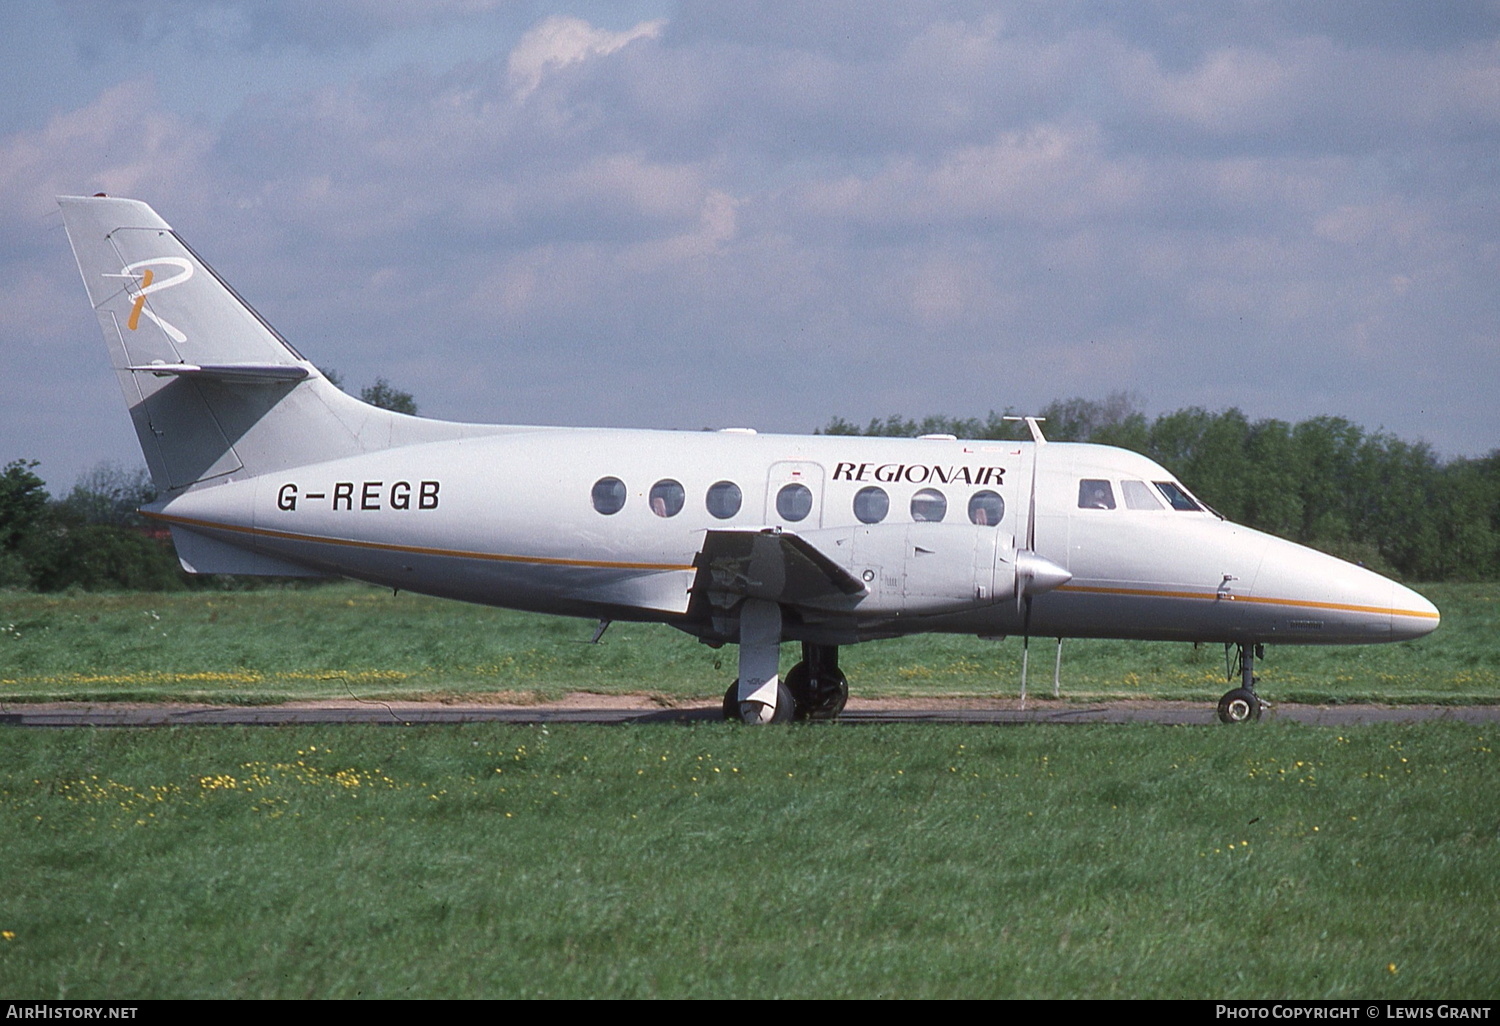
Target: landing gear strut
(1242,703)
(815,689)
(759,696)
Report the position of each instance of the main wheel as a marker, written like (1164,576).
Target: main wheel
(822,698)
(1239,706)
(786,705)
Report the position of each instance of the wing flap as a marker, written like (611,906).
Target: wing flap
(774,565)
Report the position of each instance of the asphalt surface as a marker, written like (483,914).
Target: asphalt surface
(416,714)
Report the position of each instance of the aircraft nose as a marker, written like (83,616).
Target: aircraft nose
(1412,616)
(1310,597)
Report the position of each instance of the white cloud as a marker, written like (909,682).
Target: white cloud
(560,40)
(122,143)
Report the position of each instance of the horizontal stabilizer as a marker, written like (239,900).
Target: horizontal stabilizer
(229,373)
(774,565)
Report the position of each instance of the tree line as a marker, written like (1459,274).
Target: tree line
(1368,497)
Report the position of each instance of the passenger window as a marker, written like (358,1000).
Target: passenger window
(1094,494)
(667,498)
(929,506)
(794,502)
(986,509)
(609,495)
(1176,496)
(723,499)
(1138,495)
(871,505)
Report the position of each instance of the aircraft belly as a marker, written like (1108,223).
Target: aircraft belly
(1129,609)
(494,578)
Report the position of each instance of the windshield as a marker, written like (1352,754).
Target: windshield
(1176,496)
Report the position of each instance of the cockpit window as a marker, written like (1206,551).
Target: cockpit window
(667,498)
(986,509)
(609,495)
(1138,495)
(1176,496)
(1095,494)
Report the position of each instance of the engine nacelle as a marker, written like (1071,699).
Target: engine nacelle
(924,568)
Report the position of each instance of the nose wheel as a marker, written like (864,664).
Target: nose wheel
(1238,706)
(1242,704)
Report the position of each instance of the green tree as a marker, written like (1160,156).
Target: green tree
(23,502)
(1275,503)
(23,508)
(70,553)
(1327,448)
(388,397)
(1471,542)
(1115,420)
(111,494)
(1209,452)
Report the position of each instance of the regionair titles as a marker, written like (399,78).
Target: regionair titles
(919,473)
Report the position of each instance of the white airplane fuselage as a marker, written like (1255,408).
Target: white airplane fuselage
(265,467)
(508,520)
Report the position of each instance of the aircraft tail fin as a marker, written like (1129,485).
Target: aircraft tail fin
(212,388)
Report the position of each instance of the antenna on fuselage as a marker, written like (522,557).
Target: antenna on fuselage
(1033,424)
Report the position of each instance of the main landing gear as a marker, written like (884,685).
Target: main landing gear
(818,686)
(814,689)
(1242,703)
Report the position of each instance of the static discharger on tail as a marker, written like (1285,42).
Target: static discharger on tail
(265,467)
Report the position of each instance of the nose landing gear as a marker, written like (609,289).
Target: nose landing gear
(1242,704)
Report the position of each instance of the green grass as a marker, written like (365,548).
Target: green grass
(350,640)
(717,861)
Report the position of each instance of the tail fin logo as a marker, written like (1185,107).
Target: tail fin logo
(146,282)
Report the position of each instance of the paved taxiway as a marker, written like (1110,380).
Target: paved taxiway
(414,714)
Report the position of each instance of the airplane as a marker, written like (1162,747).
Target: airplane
(263,466)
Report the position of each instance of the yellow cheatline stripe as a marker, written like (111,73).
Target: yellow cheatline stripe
(1262,599)
(494,557)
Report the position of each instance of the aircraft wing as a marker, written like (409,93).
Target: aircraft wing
(775,565)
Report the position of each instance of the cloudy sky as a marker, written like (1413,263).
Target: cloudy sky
(683,214)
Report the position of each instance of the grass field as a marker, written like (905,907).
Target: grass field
(351,640)
(712,860)
(715,861)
